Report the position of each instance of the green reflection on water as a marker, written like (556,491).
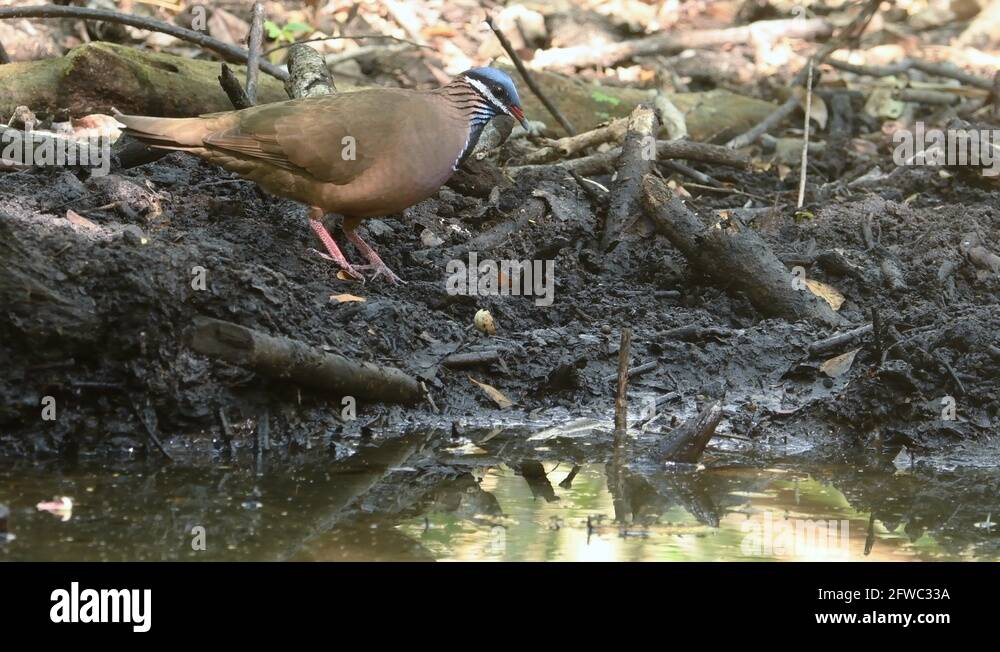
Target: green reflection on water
(377,508)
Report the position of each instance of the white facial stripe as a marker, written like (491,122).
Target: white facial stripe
(481,87)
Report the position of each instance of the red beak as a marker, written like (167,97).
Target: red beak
(519,114)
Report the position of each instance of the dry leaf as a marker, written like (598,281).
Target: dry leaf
(494,393)
(817,111)
(826,292)
(346,298)
(344,276)
(79,220)
(839,365)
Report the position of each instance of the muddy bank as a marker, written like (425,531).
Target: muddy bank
(103,326)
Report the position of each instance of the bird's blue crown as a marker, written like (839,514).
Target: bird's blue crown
(496,77)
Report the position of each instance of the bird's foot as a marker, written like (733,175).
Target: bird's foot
(349,270)
(381,269)
(334,251)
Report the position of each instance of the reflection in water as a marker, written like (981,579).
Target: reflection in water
(395,501)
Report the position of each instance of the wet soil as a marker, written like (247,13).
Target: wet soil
(128,279)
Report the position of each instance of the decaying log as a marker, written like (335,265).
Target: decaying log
(736,260)
(638,154)
(96,77)
(284,358)
(687,442)
(714,114)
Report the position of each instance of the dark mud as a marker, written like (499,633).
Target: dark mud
(115,350)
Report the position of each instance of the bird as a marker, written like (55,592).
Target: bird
(360,154)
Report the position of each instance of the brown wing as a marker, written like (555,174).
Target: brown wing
(334,139)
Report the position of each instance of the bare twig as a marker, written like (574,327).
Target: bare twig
(354,37)
(805,136)
(526,76)
(621,398)
(253,58)
(675,41)
(946,70)
(225,50)
(150,430)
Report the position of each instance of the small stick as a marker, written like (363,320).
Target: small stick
(225,50)
(996,96)
(509,49)
(253,58)
(688,171)
(471,358)
(621,399)
(841,339)
(805,136)
(150,432)
(637,371)
(234,90)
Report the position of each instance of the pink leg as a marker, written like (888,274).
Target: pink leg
(331,247)
(381,269)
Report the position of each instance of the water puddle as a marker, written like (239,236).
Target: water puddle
(387,504)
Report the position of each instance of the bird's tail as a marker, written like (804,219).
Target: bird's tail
(167,133)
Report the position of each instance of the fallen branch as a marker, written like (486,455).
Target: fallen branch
(287,359)
(225,50)
(689,150)
(308,75)
(737,260)
(569,146)
(687,442)
(636,161)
